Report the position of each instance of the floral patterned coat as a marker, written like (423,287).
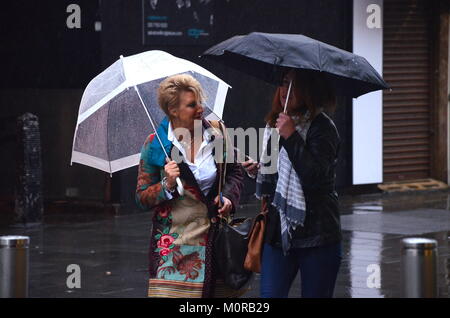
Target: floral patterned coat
(181,243)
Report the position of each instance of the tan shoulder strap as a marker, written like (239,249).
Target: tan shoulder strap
(215,123)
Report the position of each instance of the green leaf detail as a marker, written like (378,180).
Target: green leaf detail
(158,236)
(172,246)
(166,230)
(174,235)
(165,258)
(158,249)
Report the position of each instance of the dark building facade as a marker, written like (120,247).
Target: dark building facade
(48,65)
(249,99)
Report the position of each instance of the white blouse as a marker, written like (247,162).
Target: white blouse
(204,166)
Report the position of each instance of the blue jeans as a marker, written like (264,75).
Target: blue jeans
(318,267)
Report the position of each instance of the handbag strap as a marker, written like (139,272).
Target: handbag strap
(265,205)
(222,165)
(220,127)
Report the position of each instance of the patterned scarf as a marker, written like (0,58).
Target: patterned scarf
(288,198)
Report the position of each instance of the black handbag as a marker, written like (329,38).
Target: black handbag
(231,239)
(230,249)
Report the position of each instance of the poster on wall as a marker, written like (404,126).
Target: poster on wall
(177,22)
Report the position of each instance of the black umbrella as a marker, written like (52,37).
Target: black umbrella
(267,56)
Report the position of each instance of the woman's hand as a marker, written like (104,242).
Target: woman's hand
(285,125)
(227,206)
(172,172)
(251,167)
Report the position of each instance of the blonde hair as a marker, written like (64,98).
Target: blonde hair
(169,91)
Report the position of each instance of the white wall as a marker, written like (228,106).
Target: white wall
(368,109)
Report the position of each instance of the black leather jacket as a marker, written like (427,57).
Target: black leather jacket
(315,162)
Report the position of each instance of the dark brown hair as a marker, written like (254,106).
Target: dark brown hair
(313,92)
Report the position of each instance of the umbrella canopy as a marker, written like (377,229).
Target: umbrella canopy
(119,105)
(267,56)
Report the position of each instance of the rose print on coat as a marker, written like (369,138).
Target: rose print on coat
(165,243)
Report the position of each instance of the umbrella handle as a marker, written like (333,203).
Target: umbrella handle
(287,98)
(180,187)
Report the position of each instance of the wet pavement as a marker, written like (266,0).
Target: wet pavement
(111,249)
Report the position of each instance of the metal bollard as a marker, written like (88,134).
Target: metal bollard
(419,268)
(14,266)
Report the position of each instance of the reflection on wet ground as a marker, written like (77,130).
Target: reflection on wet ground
(421,214)
(112,250)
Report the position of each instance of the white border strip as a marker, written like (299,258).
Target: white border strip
(104,165)
(90,161)
(125,163)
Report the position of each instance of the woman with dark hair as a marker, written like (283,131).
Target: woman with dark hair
(303,225)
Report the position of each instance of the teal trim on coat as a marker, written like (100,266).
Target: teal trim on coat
(156,154)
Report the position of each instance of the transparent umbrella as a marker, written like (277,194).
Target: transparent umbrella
(119,108)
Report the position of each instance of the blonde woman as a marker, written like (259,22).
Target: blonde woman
(181,249)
